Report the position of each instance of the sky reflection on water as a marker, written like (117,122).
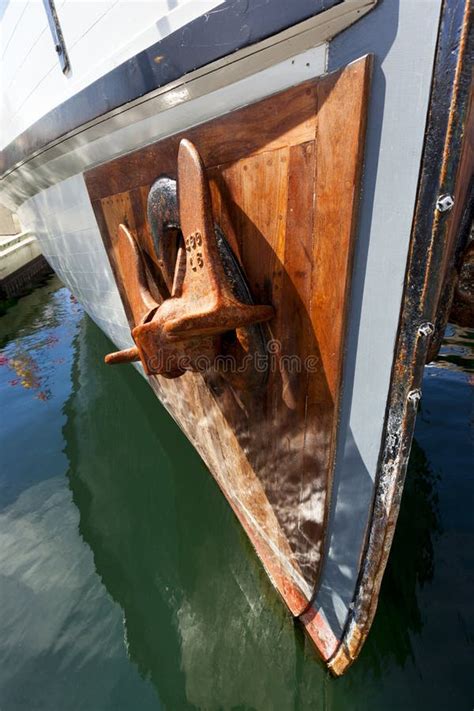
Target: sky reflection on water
(126,582)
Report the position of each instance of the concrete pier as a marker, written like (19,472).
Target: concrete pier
(21,261)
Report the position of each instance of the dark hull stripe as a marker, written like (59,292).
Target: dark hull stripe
(231,26)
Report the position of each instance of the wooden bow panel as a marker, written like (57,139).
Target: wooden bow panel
(285,178)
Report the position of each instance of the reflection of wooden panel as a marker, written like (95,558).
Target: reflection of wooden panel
(284,180)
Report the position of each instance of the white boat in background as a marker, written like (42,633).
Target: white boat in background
(285,185)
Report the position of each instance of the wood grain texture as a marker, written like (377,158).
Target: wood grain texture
(284,176)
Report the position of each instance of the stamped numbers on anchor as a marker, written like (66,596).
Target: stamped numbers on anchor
(193,244)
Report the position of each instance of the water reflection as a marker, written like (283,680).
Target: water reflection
(200,615)
(31,336)
(61,638)
(125,576)
(457,350)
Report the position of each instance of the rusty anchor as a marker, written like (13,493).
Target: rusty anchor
(209,311)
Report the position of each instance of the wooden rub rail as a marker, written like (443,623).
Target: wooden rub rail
(284,178)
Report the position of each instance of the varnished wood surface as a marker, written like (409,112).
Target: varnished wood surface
(285,176)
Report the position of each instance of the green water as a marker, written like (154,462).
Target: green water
(126,582)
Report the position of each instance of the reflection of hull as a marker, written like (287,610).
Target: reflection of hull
(194,598)
(305,460)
